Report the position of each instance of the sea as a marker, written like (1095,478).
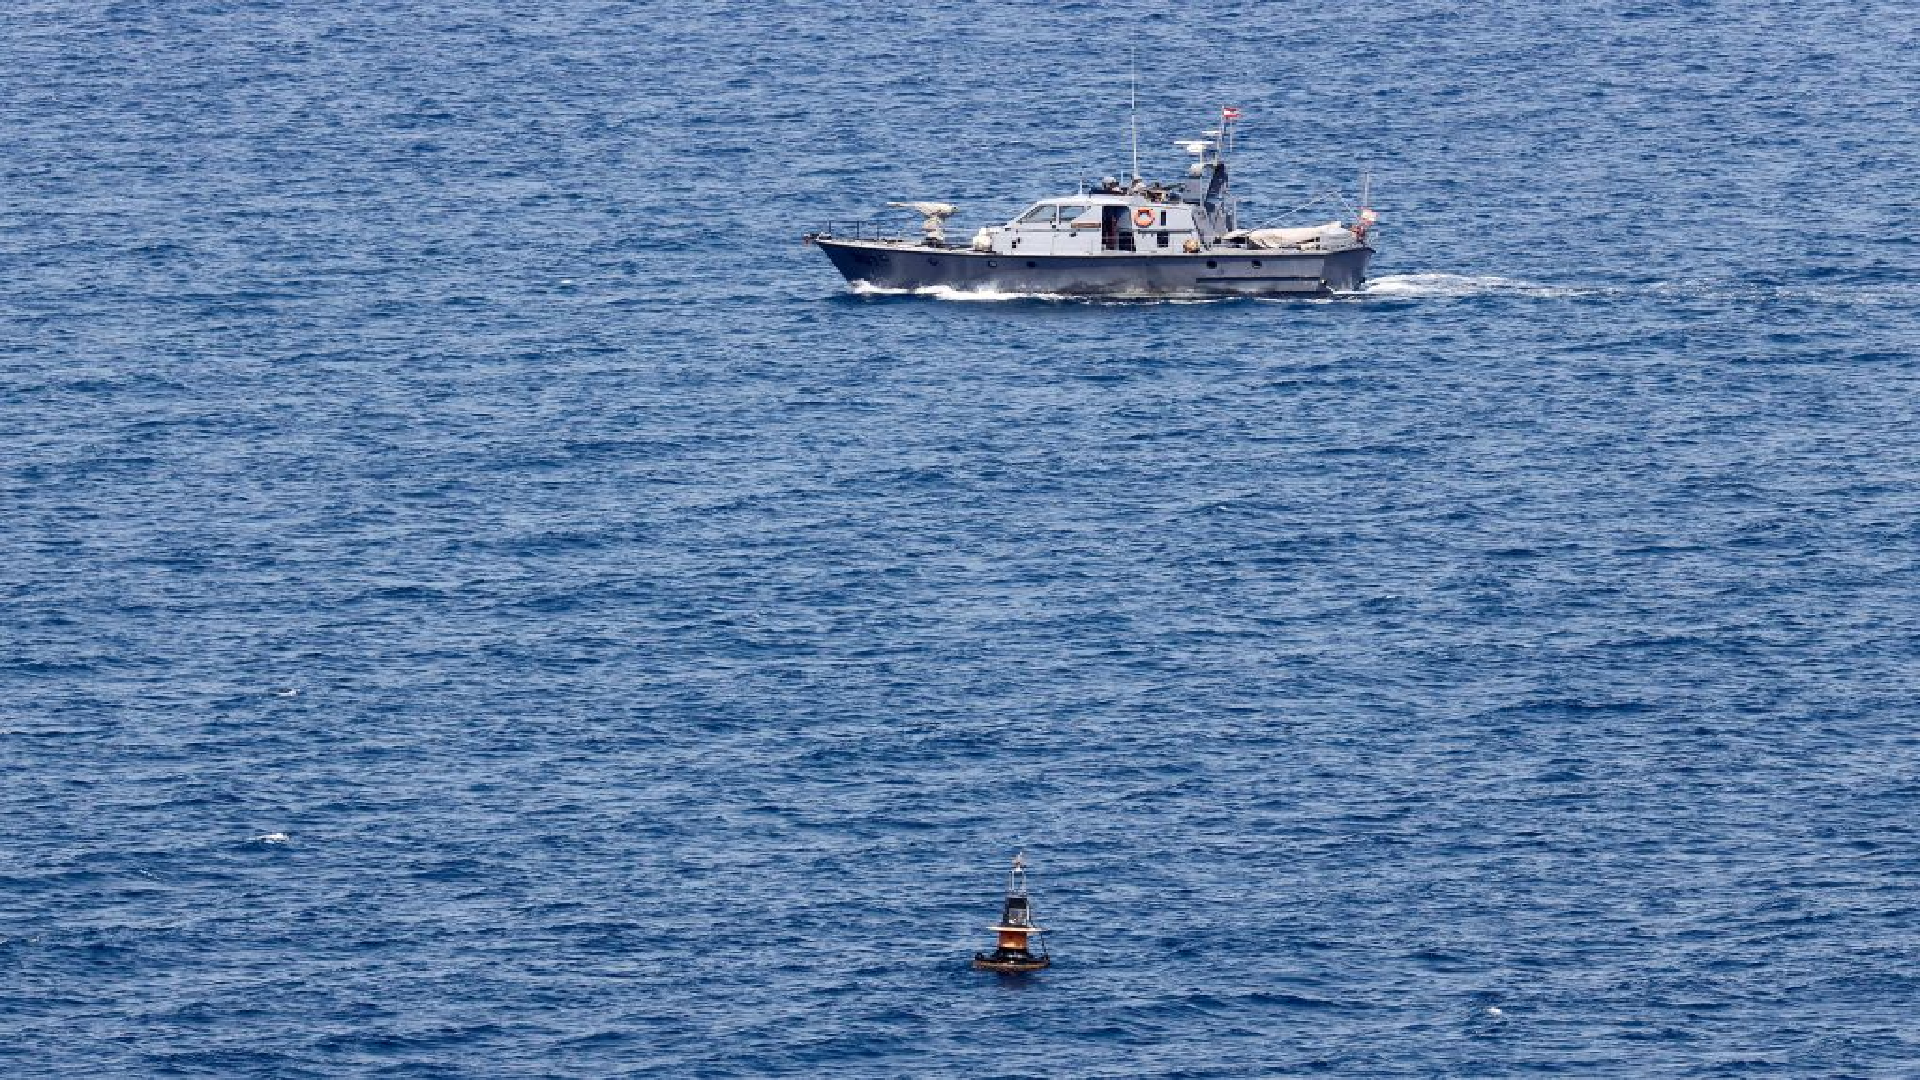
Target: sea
(479,597)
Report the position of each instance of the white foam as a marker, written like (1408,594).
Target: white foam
(948,292)
(1452,285)
(271,838)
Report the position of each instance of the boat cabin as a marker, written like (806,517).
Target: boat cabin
(1091,224)
(1147,218)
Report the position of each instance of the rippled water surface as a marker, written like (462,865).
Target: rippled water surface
(481,599)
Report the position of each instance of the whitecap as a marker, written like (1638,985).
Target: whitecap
(271,838)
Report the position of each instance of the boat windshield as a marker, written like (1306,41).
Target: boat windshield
(1043,212)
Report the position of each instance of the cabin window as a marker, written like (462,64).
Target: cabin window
(1043,212)
(1068,213)
(1163,219)
(1163,239)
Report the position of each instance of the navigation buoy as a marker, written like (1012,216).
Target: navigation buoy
(1015,927)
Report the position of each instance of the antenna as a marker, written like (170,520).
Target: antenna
(1133,101)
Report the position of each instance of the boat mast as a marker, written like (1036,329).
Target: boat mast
(1229,134)
(1133,110)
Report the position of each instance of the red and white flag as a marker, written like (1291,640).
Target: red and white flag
(1231,112)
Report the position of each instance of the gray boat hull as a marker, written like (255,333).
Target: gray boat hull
(1216,273)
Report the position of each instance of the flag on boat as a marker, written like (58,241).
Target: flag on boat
(1231,112)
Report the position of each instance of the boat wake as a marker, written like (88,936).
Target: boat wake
(1842,294)
(1395,286)
(1709,289)
(1461,285)
(948,292)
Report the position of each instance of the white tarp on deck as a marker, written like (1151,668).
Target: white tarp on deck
(1332,234)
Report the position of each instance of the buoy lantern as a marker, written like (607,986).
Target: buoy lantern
(1013,954)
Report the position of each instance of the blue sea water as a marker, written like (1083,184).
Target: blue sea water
(481,599)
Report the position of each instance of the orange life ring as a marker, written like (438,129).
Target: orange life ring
(1143,217)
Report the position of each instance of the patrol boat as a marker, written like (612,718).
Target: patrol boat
(1143,239)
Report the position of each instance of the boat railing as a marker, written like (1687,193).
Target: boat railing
(857,230)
